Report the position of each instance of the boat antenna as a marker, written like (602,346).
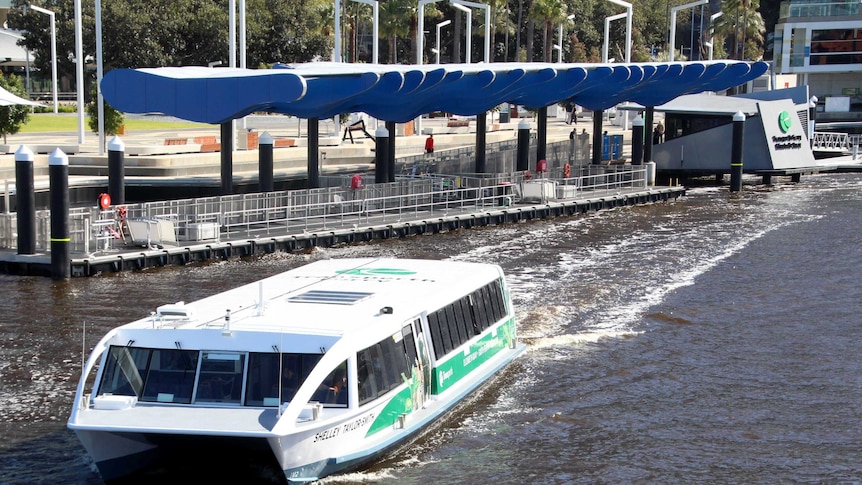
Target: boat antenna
(83,345)
(280,370)
(260,302)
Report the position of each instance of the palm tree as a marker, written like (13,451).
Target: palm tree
(743,25)
(549,13)
(395,18)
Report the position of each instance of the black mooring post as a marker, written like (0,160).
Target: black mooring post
(264,162)
(597,136)
(648,130)
(390,158)
(637,141)
(313,153)
(226,135)
(26,197)
(812,114)
(523,153)
(481,146)
(381,154)
(116,171)
(58,180)
(542,134)
(736,152)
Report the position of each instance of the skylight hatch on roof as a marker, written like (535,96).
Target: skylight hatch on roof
(332,297)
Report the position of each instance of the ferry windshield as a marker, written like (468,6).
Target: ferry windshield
(217,377)
(155,375)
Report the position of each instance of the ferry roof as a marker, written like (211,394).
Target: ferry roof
(400,93)
(315,305)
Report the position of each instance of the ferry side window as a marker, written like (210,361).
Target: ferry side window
(463,307)
(333,389)
(445,334)
(497,304)
(479,312)
(436,335)
(367,382)
(395,363)
(455,329)
(409,347)
(262,387)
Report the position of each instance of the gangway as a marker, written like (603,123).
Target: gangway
(833,144)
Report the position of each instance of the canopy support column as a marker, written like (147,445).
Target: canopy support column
(523,153)
(313,153)
(648,133)
(597,136)
(226,135)
(481,145)
(390,160)
(264,161)
(381,154)
(542,135)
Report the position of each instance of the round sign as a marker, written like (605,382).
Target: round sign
(784,121)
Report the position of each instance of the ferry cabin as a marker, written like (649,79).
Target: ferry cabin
(328,366)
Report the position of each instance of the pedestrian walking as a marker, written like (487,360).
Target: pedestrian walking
(429,144)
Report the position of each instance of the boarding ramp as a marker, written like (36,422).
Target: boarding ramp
(834,143)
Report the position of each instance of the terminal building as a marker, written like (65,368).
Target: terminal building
(820,41)
(699,130)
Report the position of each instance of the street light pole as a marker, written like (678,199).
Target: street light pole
(79,74)
(100,102)
(628,16)
(712,31)
(440,26)
(375,13)
(560,35)
(469,27)
(487,8)
(673,12)
(420,30)
(607,34)
(50,15)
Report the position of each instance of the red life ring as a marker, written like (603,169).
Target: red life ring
(567,170)
(104,201)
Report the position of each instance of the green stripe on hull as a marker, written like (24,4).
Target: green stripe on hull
(445,375)
(402,403)
(460,365)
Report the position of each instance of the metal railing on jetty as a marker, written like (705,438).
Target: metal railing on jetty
(835,142)
(93,230)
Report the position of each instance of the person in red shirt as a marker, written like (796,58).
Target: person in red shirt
(429,144)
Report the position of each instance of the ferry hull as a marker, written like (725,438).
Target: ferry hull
(135,457)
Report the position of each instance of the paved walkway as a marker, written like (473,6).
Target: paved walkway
(333,150)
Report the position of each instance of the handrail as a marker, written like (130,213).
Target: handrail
(298,211)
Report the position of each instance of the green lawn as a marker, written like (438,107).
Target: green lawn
(46,123)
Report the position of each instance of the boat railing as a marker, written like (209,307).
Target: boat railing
(206,219)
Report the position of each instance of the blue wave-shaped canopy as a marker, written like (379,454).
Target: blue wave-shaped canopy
(401,93)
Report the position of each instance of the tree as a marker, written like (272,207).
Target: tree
(742,27)
(394,23)
(113,118)
(12,117)
(548,13)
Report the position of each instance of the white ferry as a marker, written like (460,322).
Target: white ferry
(319,370)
